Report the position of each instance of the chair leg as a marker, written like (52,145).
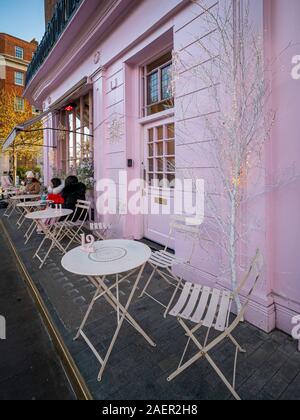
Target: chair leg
(73,238)
(184,353)
(40,246)
(148,283)
(241,350)
(47,255)
(199,355)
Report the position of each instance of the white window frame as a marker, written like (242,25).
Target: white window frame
(17,48)
(18,73)
(145,76)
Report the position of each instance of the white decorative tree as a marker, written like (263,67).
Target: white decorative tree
(235,76)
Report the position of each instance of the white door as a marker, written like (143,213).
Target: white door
(159,174)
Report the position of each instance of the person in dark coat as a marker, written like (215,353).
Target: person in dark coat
(72,192)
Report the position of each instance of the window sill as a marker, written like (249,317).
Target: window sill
(156,117)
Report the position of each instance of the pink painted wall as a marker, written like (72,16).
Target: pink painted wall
(285,43)
(115,84)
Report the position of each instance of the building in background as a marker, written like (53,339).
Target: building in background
(15,56)
(49,9)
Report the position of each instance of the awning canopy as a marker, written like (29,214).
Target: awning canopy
(22,127)
(78,89)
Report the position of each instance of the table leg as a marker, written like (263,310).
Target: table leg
(124,315)
(109,296)
(102,290)
(88,313)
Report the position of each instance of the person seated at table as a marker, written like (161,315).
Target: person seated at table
(55,191)
(32,185)
(73,191)
(6,181)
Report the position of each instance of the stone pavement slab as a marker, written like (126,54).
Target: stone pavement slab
(269,370)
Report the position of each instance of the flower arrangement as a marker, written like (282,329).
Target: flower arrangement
(85,173)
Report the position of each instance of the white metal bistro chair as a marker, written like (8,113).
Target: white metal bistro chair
(163,262)
(211,308)
(73,228)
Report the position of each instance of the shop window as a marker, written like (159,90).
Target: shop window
(75,143)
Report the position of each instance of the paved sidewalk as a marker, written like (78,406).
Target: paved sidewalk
(269,370)
(29,366)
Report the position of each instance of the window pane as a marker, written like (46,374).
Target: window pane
(151,165)
(160,149)
(160,165)
(151,147)
(71,137)
(166,80)
(151,179)
(19,78)
(152,88)
(171,179)
(170,131)
(160,178)
(170,147)
(160,133)
(150,135)
(170,165)
(19,52)
(19,104)
(158,86)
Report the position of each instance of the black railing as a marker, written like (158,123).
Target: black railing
(63,12)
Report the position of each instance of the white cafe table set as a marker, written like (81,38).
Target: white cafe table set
(45,222)
(119,260)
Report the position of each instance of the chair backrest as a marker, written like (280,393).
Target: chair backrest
(255,267)
(256,264)
(81,210)
(83,204)
(185,224)
(189,226)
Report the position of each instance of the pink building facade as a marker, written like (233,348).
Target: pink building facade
(111,75)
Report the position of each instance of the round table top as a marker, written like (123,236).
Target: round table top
(48,214)
(26,197)
(34,203)
(110,257)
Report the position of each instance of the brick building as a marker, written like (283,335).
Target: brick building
(15,56)
(49,9)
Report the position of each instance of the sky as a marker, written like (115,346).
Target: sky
(22,18)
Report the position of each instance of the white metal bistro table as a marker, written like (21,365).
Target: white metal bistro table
(40,217)
(111,258)
(13,202)
(28,207)
(25,197)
